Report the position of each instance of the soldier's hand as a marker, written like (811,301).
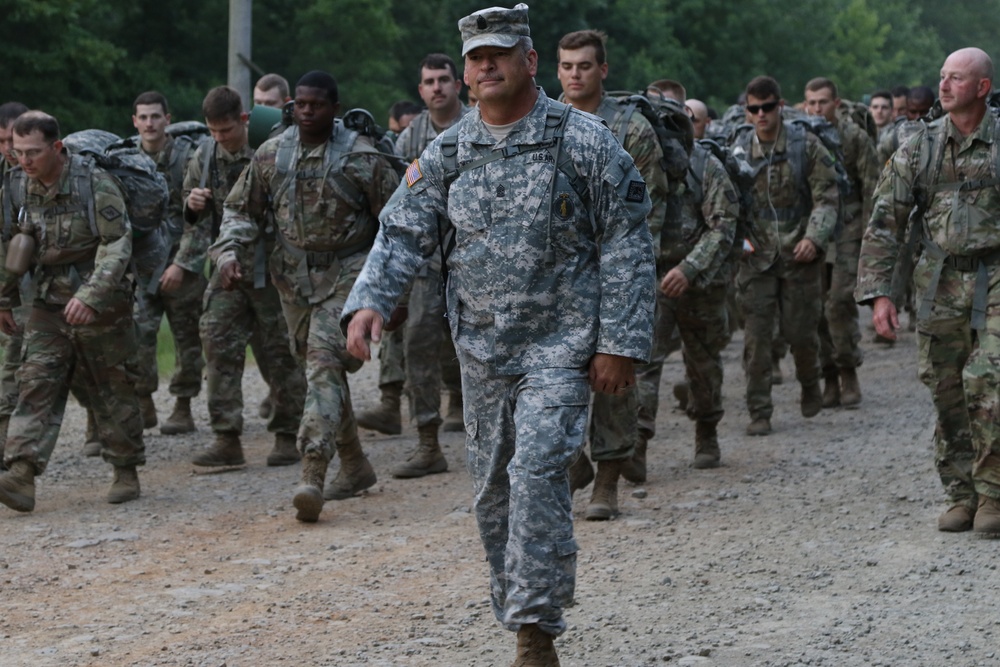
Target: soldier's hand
(675,283)
(198,199)
(172,279)
(7,323)
(611,374)
(231,274)
(397,318)
(885,318)
(805,251)
(77,312)
(365,325)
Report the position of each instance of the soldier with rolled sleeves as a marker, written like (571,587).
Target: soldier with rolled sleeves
(550,294)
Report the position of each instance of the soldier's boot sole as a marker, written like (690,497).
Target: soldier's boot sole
(349,483)
(17,487)
(308,502)
(125,486)
(414,467)
(382,420)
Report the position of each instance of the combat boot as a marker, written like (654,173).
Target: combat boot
(850,390)
(92,445)
(811,401)
(266,407)
(284,452)
(634,469)
(581,473)
(355,475)
(308,499)
(147,409)
(604,502)
(385,418)
(454,420)
(831,388)
(17,486)
(180,420)
(125,486)
(681,393)
(956,519)
(226,451)
(426,458)
(759,426)
(706,445)
(987,516)
(535,648)
(776,376)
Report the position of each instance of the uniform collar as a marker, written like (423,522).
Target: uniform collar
(527,130)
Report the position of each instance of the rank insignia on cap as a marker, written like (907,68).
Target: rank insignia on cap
(110,213)
(413,173)
(636,191)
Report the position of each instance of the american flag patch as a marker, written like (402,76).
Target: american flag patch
(413,173)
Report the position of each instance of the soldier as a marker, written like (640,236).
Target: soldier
(74,226)
(840,333)
(271,90)
(550,285)
(899,94)
(423,345)
(582,69)
(944,180)
(324,186)
(919,101)
(401,114)
(881,107)
(795,209)
(699,117)
(177,293)
(252,306)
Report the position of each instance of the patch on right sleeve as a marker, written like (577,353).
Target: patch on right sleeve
(636,191)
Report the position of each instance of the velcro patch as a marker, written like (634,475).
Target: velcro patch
(110,213)
(636,191)
(413,173)
(829,161)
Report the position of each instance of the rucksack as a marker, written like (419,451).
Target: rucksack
(860,115)
(362,122)
(672,125)
(742,177)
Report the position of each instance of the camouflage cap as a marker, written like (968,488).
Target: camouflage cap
(496,26)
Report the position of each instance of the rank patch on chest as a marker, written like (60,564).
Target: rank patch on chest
(110,213)
(636,191)
(501,191)
(413,173)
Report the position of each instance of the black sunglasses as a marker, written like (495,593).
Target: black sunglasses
(766,107)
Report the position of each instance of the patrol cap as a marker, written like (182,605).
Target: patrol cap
(496,26)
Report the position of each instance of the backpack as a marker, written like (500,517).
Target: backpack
(362,122)
(672,125)
(858,113)
(742,177)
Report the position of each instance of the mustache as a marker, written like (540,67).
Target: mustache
(489,77)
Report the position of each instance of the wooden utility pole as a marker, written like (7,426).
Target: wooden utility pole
(240,27)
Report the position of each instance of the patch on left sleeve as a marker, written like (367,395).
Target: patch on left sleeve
(636,191)
(413,173)
(110,213)
(828,160)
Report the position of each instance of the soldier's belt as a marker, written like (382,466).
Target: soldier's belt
(326,259)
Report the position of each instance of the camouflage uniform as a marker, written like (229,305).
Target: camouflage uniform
(312,213)
(956,275)
(229,318)
(526,327)
(73,261)
(770,282)
(613,427)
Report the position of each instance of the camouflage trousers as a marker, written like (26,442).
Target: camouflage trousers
(183,310)
(92,356)
(700,315)
(794,294)
(229,321)
(13,354)
(961,367)
(522,434)
(839,329)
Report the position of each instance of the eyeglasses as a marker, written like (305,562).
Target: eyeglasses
(30,154)
(766,107)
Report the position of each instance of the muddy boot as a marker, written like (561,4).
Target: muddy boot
(355,475)
(706,445)
(681,392)
(604,502)
(759,426)
(987,516)
(956,519)
(226,451)
(180,420)
(385,418)
(284,452)
(850,390)
(266,407)
(92,446)
(831,388)
(426,459)
(581,473)
(454,421)
(308,499)
(811,401)
(634,469)
(125,486)
(535,648)
(147,409)
(17,487)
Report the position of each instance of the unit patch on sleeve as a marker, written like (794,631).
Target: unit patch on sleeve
(110,213)
(636,191)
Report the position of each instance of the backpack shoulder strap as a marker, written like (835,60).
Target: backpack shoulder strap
(81,173)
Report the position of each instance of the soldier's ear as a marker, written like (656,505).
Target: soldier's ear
(58,145)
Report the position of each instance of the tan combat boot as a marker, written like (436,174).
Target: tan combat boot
(266,407)
(308,499)
(604,502)
(759,426)
(148,411)
(17,486)
(811,401)
(92,445)
(535,648)
(226,451)
(831,388)
(956,519)
(180,420)
(987,516)
(454,420)
(634,469)
(681,393)
(125,486)
(385,418)
(426,459)
(706,445)
(284,453)
(355,475)
(581,473)
(850,390)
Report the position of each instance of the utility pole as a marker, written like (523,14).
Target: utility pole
(240,28)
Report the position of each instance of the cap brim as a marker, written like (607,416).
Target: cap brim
(504,41)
